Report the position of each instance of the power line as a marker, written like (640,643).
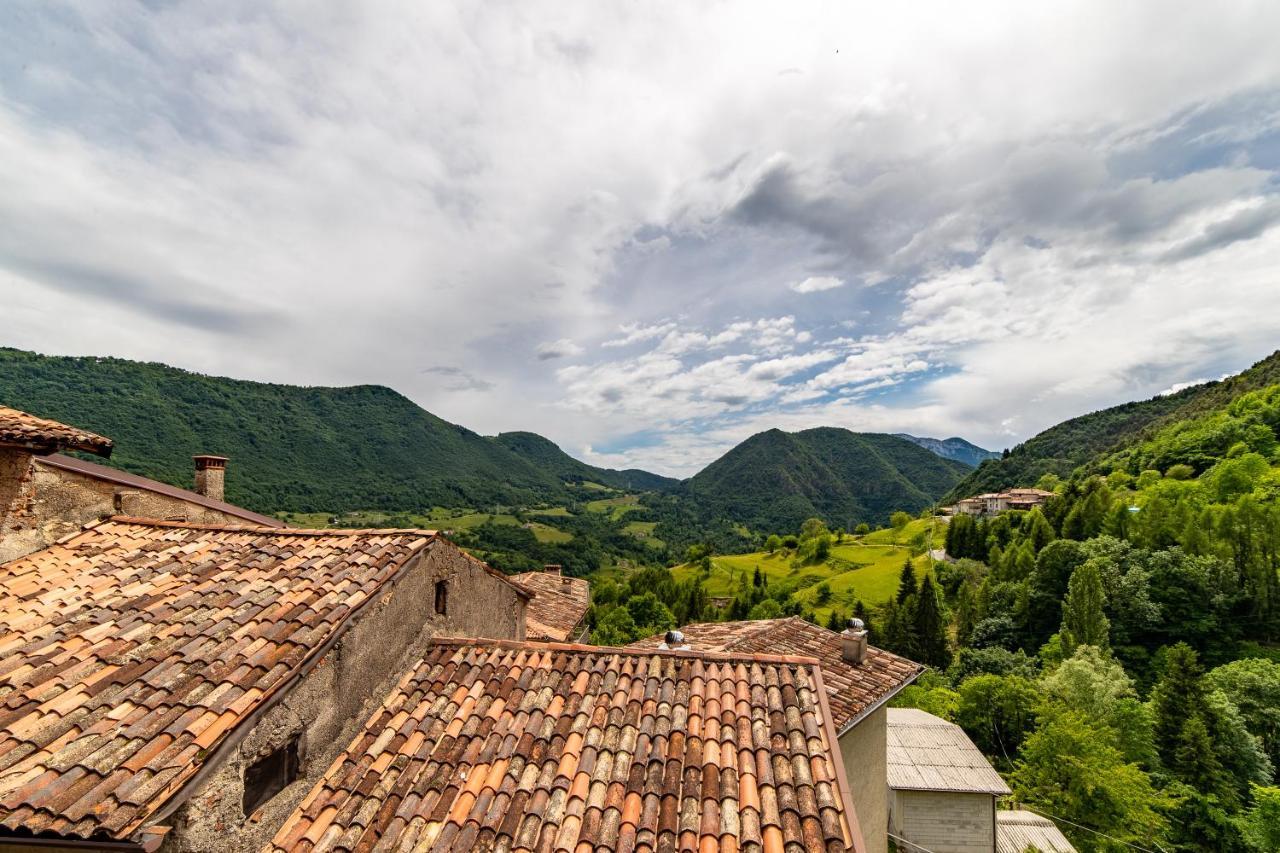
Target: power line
(1158,849)
(910,844)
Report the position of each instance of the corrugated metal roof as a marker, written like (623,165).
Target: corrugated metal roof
(1018,830)
(926,753)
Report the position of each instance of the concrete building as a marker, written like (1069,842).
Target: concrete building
(859,679)
(45,495)
(942,789)
(180,687)
(558,611)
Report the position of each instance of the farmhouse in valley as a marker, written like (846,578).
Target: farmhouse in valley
(859,679)
(994,503)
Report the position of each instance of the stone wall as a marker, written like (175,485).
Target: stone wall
(864,749)
(19,523)
(60,502)
(328,705)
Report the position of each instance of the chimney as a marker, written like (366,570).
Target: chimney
(211,474)
(552,568)
(853,642)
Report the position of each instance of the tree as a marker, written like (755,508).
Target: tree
(1194,759)
(1253,686)
(837,621)
(773,543)
(1261,823)
(1072,769)
(862,529)
(907,586)
(929,627)
(899,520)
(812,528)
(998,711)
(822,593)
(1083,622)
(767,609)
(650,615)
(617,628)
(1177,696)
(1037,530)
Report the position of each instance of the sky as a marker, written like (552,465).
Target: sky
(650,230)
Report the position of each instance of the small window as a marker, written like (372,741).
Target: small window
(269,775)
(442,597)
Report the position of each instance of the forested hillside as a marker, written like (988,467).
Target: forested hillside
(549,457)
(292,448)
(1062,448)
(775,480)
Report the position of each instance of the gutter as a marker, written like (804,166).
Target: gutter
(874,706)
(858,842)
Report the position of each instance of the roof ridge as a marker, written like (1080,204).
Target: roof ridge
(273,531)
(583,648)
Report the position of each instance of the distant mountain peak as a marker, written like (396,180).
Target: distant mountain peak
(955,448)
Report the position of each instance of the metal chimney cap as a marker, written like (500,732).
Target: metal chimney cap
(674,638)
(856,624)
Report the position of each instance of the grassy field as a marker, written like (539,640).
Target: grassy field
(437,519)
(616,507)
(864,568)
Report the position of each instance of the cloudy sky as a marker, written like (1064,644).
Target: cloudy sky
(648,230)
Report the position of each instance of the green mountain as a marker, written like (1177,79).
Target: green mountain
(291,448)
(545,454)
(774,480)
(952,448)
(1063,448)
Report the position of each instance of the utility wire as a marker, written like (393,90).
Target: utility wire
(911,844)
(1158,849)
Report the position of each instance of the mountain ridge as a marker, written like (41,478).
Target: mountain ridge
(955,448)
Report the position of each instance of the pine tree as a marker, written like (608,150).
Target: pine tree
(907,586)
(860,612)
(897,627)
(1196,763)
(837,621)
(1177,696)
(1038,530)
(1083,622)
(929,628)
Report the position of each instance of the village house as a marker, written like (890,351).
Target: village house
(859,679)
(558,611)
(491,745)
(994,503)
(943,793)
(45,495)
(180,687)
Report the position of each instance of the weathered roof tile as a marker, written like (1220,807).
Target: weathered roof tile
(566,759)
(558,607)
(43,436)
(115,691)
(853,689)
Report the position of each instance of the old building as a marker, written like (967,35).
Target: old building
(489,745)
(943,791)
(859,680)
(1019,831)
(177,686)
(994,503)
(558,610)
(45,495)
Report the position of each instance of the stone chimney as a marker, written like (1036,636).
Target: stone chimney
(211,474)
(853,642)
(553,569)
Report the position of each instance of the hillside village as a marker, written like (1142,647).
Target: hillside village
(181,674)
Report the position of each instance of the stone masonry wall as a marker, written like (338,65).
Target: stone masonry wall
(329,704)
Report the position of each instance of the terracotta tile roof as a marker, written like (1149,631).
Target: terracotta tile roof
(124,478)
(492,745)
(926,753)
(45,436)
(559,605)
(1019,830)
(853,690)
(130,651)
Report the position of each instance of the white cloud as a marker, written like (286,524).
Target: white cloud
(816,284)
(563,348)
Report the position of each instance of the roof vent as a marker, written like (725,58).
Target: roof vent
(853,642)
(553,568)
(674,640)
